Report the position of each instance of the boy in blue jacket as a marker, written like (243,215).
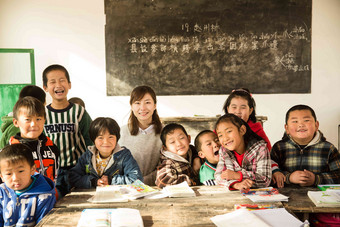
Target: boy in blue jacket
(105,163)
(26,196)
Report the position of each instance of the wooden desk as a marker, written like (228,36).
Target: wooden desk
(209,201)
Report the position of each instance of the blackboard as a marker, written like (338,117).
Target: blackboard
(202,47)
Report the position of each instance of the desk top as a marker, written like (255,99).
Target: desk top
(209,201)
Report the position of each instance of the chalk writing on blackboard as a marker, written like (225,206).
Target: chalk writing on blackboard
(208,46)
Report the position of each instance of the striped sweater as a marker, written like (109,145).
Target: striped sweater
(69,130)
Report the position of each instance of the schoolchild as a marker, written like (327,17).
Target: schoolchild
(304,155)
(177,157)
(241,103)
(105,163)
(306,158)
(208,146)
(77,100)
(7,127)
(67,124)
(26,196)
(244,160)
(29,116)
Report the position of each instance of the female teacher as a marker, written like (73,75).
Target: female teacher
(142,133)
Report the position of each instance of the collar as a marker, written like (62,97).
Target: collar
(148,130)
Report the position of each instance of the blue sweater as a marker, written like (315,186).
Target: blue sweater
(121,169)
(30,207)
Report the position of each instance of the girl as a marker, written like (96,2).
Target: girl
(142,133)
(244,158)
(106,162)
(241,103)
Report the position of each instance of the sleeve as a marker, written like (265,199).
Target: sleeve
(278,160)
(84,126)
(80,176)
(225,162)
(45,203)
(333,176)
(130,169)
(262,172)
(168,175)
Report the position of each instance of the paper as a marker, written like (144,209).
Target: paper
(121,193)
(110,217)
(269,217)
(179,190)
(240,217)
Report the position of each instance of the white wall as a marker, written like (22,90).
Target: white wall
(71,33)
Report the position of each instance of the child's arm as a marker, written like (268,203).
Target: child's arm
(80,176)
(84,126)
(131,171)
(45,203)
(333,175)
(262,173)
(168,175)
(225,162)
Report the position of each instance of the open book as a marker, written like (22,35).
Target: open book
(179,190)
(269,217)
(110,217)
(268,194)
(329,198)
(324,187)
(121,193)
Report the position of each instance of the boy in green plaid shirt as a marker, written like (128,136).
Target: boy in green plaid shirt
(304,157)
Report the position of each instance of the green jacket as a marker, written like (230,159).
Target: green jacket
(8,130)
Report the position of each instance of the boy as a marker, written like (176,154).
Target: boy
(29,116)
(208,145)
(67,124)
(177,157)
(7,127)
(303,155)
(26,197)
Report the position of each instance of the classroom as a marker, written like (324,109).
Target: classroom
(72,33)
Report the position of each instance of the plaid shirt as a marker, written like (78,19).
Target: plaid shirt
(175,169)
(256,165)
(319,157)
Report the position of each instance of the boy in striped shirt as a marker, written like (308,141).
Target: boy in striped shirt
(67,124)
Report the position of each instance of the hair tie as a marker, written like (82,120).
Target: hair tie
(240,89)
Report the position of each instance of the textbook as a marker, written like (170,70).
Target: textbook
(110,217)
(179,190)
(324,187)
(268,194)
(279,217)
(329,198)
(121,193)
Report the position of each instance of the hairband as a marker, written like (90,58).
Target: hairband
(240,89)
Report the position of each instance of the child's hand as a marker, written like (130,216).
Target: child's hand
(243,185)
(230,175)
(104,180)
(196,165)
(303,178)
(279,178)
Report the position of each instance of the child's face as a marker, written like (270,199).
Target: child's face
(16,176)
(57,85)
(105,143)
(301,126)
(177,142)
(231,137)
(240,107)
(210,145)
(143,109)
(30,127)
